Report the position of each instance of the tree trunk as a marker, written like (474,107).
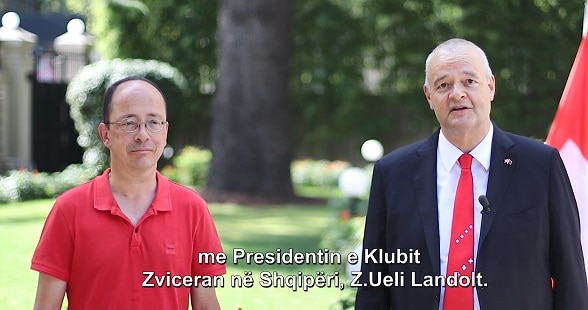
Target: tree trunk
(250,132)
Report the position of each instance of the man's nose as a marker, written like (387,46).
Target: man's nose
(457,91)
(142,134)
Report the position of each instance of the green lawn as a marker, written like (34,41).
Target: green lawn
(254,229)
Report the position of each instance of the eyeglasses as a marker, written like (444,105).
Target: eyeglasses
(153,125)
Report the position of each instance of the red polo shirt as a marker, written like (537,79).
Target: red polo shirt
(88,242)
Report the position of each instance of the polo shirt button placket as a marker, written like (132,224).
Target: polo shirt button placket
(136,241)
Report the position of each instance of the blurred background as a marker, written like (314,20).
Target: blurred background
(269,101)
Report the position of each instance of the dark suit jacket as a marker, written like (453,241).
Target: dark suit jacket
(531,234)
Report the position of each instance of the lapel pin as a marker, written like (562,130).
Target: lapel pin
(508,161)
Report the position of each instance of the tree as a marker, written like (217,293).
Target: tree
(335,44)
(250,133)
(330,103)
(530,46)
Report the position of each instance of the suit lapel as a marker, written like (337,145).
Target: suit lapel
(424,178)
(501,170)
(425,183)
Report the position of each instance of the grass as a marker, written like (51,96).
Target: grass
(20,226)
(253,229)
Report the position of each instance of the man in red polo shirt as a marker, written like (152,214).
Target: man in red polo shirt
(130,238)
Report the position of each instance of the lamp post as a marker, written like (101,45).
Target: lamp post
(354,182)
(371,151)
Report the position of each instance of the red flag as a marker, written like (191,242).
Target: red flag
(569,132)
(571,119)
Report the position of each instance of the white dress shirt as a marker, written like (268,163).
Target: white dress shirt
(448,172)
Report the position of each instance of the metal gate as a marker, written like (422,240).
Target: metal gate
(54,135)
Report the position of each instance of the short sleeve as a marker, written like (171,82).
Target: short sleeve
(206,240)
(54,251)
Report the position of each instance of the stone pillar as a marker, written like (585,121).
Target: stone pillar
(3,122)
(17,63)
(73,50)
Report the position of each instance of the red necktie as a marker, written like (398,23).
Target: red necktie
(461,248)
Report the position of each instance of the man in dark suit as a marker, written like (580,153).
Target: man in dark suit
(522,238)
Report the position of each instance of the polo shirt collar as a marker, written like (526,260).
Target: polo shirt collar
(104,199)
(449,153)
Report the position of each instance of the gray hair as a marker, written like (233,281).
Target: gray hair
(453,44)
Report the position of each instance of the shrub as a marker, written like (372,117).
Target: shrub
(15,184)
(322,173)
(22,185)
(190,167)
(71,176)
(343,233)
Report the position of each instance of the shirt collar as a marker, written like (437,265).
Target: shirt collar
(449,153)
(104,199)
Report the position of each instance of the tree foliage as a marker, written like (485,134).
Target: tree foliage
(327,81)
(357,66)
(530,45)
(178,32)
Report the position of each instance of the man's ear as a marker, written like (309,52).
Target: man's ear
(427,95)
(492,87)
(104,134)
